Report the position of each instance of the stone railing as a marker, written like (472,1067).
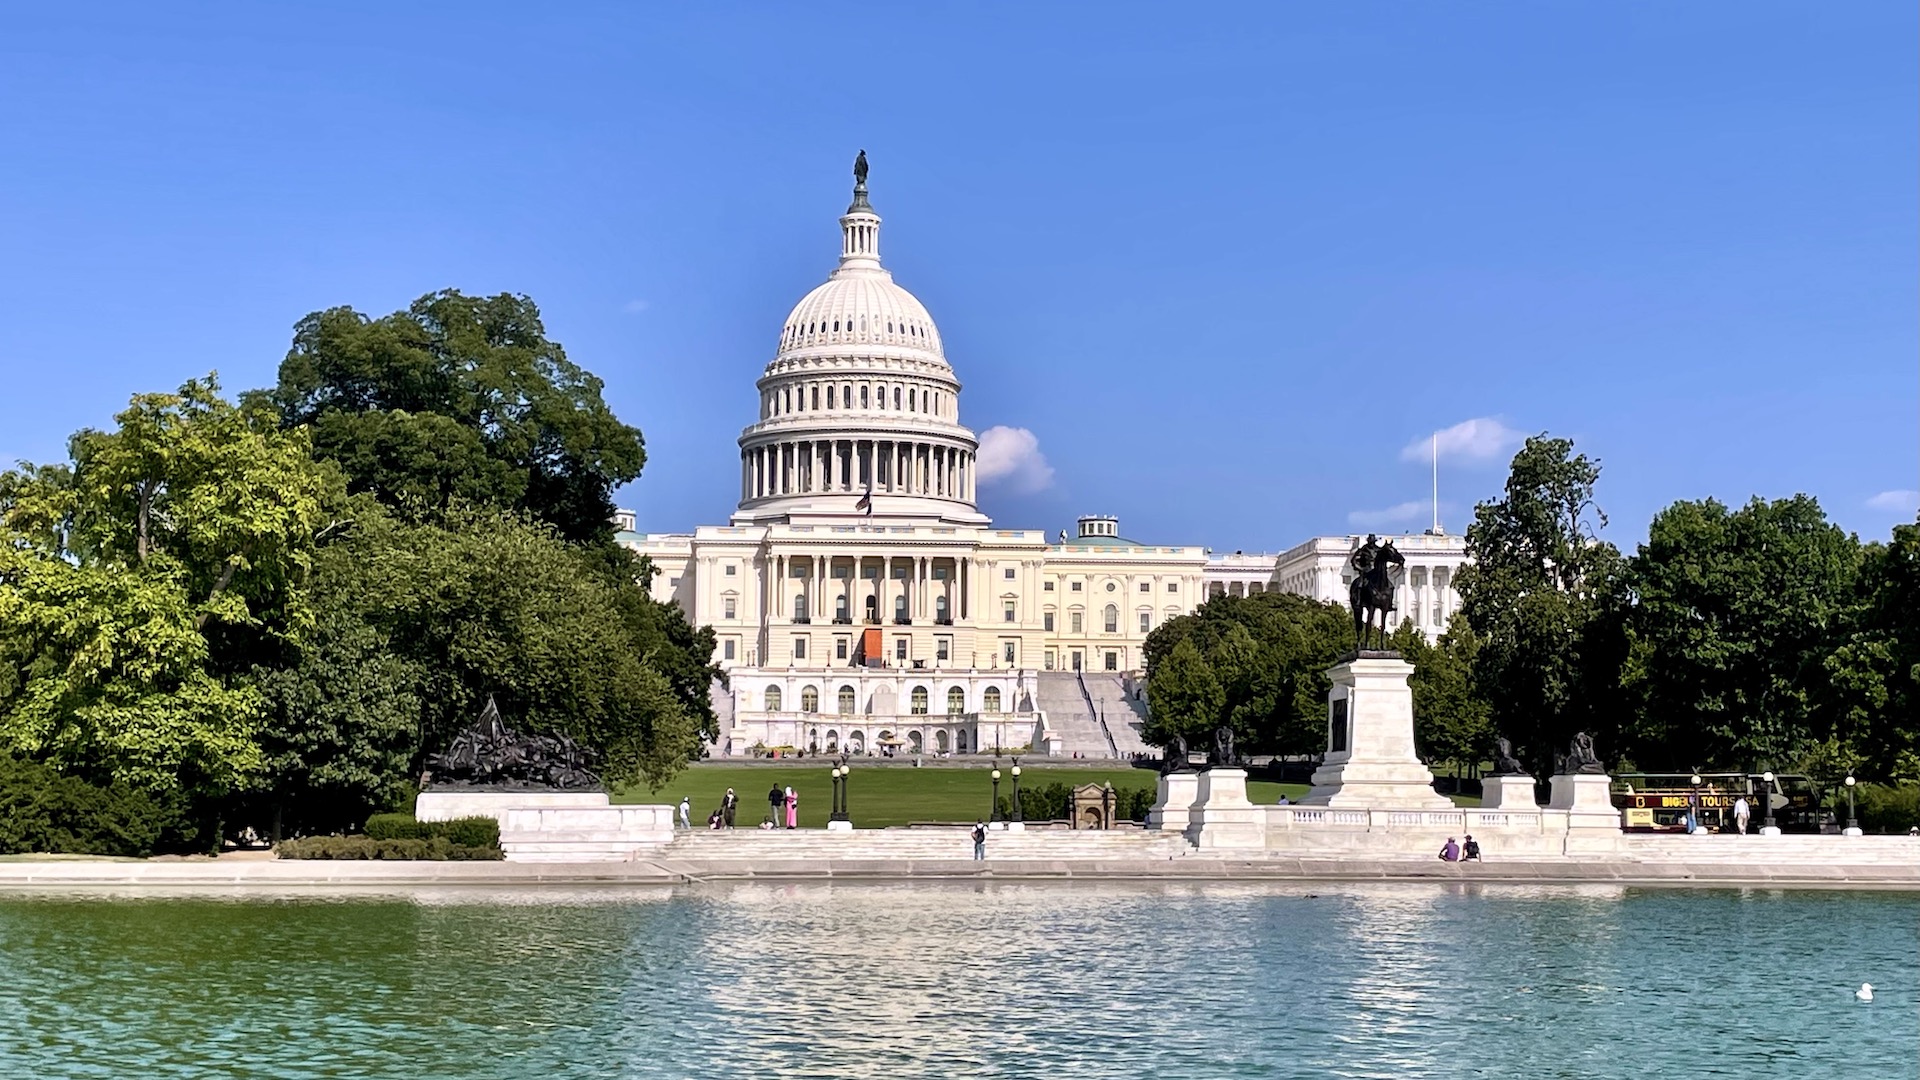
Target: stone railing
(1465,819)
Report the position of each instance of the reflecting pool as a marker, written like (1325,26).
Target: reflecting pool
(770,983)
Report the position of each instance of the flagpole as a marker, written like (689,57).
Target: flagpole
(1436,483)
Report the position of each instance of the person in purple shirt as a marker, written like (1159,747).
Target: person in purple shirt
(1451,853)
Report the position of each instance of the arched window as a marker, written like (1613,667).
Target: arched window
(809,699)
(919,700)
(940,609)
(833,740)
(956,701)
(990,701)
(840,609)
(846,701)
(830,397)
(773,699)
(1113,619)
(799,609)
(900,609)
(815,398)
(896,399)
(863,396)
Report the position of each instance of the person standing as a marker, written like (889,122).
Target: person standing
(1742,813)
(686,813)
(979,841)
(728,803)
(793,808)
(776,805)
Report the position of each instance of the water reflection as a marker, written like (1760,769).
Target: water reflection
(1163,980)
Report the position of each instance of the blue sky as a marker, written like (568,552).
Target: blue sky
(1226,264)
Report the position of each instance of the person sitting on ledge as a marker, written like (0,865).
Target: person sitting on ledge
(1450,853)
(1471,853)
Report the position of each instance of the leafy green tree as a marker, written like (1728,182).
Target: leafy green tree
(1736,614)
(1872,677)
(1451,722)
(1184,697)
(459,399)
(1542,594)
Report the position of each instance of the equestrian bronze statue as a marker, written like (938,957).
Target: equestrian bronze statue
(1371,593)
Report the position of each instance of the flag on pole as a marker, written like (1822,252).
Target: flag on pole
(865,503)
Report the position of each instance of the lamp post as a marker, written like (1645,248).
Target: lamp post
(834,813)
(1019,820)
(993,810)
(1693,806)
(839,820)
(1853,824)
(1768,829)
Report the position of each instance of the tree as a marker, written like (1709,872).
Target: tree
(1542,594)
(459,399)
(1184,697)
(1736,613)
(1451,722)
(1872,677)
(136,579)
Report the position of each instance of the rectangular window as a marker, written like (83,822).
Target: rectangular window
(942,648)
(1009,651)
(1173,586)
(899,573)
(1006,612)
(939,573)
(1073,622)
(798,569)
(1146,587)
(841,573)
(1049,659)
(726,648)
(731,569)
(729,607)
(1007,573)
(839,648)
(1146,621)
(1113,661)
(673,583)
(1048,586)
(1046,621)
(899,648)
(1075,586)
(869,573)
(799,648)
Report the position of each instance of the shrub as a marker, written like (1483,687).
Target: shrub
(437,848)
(1886,808)
(462,832)
(44,811)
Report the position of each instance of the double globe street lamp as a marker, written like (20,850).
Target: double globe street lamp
(993,808)
(1768,829)
(839,820)
(1853,824)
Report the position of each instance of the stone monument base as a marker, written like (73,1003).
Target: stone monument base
(1221,817)
(839,826)
(555,826)
(445,804)
(1513,792)
(1370,762)
(1593,825)
(1174,802)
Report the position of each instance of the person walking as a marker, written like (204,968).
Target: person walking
(979,841)
(793,808)
(686,813)
(728,803)
(1742,813)
(776,805)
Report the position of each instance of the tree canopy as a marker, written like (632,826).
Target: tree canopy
(459,399)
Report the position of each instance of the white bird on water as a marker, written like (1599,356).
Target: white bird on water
(1865,993)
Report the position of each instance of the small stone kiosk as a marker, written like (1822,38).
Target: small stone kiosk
(542,791)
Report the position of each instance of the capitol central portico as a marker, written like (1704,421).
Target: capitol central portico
(859,597)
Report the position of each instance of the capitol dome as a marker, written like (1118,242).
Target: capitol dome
(859,410)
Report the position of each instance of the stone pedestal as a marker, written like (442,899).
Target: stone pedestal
(1221,818)
(445,804)
(1016,826)
(1370,763)
(1508,793)
(1852,830)
(839,826)
(1769,830)
(1172,806)
(1593,825)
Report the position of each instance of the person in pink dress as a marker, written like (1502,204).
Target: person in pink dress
(793,808)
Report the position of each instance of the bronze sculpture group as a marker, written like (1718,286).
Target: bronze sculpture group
(489,754)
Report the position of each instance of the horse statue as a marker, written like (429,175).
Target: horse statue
(1371,593)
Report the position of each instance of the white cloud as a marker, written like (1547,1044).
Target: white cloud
(635,307)
(1898,502)
(1011,456)
(1478,440)
(1402,514)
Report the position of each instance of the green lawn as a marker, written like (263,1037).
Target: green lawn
(879,795)
(883,795)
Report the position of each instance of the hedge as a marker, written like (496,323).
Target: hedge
(366,847)
(1884,808)
(42,810)
(464,832)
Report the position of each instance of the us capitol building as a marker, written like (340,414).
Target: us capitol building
(862,601)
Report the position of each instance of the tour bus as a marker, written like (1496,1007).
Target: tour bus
(1657,802)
